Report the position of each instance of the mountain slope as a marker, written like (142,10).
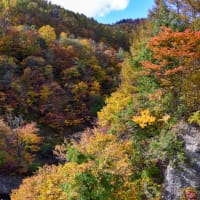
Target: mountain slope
(40,12)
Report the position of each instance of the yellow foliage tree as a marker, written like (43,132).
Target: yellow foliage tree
(45,92)
(114,104)
(8,3)
(107,172)
(46,184)
(144,119)
(86,43)
(125,98)
(195,118)
(95,88)
(47,33)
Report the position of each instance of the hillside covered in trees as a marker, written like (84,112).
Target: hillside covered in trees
(38,13)
(60,70)
(57,67)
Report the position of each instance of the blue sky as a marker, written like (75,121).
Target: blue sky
(135,9)
(108,11)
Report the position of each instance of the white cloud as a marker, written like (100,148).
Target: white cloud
(92,8)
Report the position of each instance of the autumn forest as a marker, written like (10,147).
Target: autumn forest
(87,110)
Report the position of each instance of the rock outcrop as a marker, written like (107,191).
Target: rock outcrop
(187,174)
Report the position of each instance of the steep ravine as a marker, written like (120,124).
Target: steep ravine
(176,178)
(187,174)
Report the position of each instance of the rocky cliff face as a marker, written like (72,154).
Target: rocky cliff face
(187,174)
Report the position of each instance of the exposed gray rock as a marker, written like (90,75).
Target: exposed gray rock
(187,174)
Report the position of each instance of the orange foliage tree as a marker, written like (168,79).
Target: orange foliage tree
(18,146)
(175,60)
(173,51)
